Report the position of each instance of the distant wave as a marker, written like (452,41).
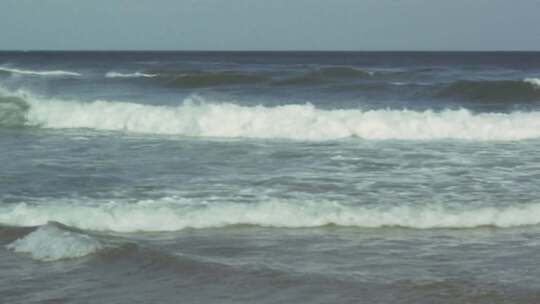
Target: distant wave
(202,78)
(298,122)
(170,214)
(342,72)
(39,73)
(199,78)
(498,90)
(167,72)
(326,74)
(129,75)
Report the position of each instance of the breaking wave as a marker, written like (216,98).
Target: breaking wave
(39,73)
(129,75)
(12,111)
(171,214)
(297,122)
(534,81)
(52,242)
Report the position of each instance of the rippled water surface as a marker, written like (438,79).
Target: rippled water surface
(269,177)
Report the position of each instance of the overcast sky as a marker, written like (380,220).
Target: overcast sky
(270,24)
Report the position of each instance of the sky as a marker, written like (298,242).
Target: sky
(270,25)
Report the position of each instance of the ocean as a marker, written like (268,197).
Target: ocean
(270,177)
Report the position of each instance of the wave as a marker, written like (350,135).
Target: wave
(342,72)
(52,242)
(205,79)
(296,122)
(326,74)
(166,72)
(500,90)
(129,75)
(13,111)
(534,81)
(172,214)
(200,78)
(39,73)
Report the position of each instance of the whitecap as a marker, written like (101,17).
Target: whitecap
(534,81)
(50,242)
(294,121)
(39,73)
(171,214)
(113,74)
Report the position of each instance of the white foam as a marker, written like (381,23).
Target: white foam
(534,81)
(129,75)
(39,73)
(49,243)
(298,122)
(171,214)
(301,122)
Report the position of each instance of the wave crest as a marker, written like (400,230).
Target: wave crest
(201,78)
(52,242)
(326,74)
(171,214)
(197,118)
(129,75)
(534,81)
(501,90)
(39,73)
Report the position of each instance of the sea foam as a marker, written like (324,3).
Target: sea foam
(39,73)
(299,122)
(129,75)
(534,81)
(171,214)
(197,118)
(49,242)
